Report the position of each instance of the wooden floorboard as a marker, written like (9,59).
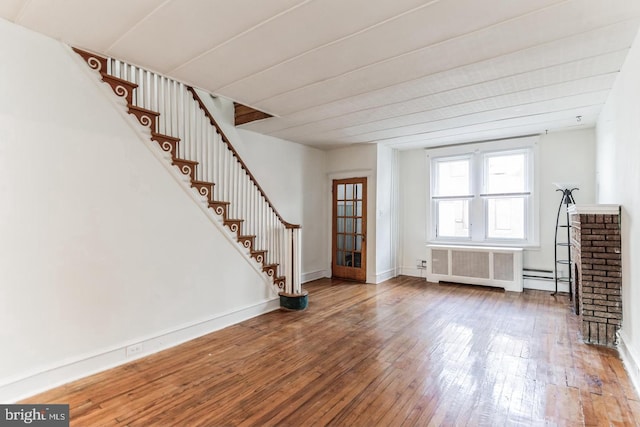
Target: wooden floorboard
(402,353)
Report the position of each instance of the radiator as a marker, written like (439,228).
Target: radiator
(476,265)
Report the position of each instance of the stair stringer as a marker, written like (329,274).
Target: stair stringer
(165,158)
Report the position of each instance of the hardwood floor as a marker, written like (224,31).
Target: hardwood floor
(400,353)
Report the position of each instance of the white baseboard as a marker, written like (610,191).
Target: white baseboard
(544,285)
(414,272)
(630,359)
(385,275)
(315,275)
(14,390)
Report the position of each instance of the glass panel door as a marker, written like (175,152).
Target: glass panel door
(349,228)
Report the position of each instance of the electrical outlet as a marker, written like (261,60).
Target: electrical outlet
(421,264)
(134,349)
(424,263)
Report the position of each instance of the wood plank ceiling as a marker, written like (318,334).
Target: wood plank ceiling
(407,73)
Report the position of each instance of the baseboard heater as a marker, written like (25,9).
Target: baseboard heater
(542,280)
(476,265)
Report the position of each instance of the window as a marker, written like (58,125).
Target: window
(451,196)
(483,195)
(506,194)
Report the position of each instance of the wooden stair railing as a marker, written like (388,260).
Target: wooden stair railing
(195,142)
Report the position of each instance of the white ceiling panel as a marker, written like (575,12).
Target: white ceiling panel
(520,126)
(560,105)
(209,24)
(9,9)
(405,73)
(308,27)
(427,26)
(87,23)
(593,47)
(547,123)
(517,103)
(450,55)
(453,103)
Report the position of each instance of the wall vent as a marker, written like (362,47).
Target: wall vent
(476,265)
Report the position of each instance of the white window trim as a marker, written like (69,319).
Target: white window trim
(477,181)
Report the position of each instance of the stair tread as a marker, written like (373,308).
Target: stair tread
(234,220)
(191,162)
(270,265)
(248,236)
(218,202)
(163,136)
(135,107)
(202,182)
(118,79)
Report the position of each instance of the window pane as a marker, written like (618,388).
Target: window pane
(452,177)
(357,260)
(453,218)
(349,225)
(349,243)
(340,258)
(340,242)
(340,191)
(349,195)
(358,194)
(505,218)
(348,209)
(506,173)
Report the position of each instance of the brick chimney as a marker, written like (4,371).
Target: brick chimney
(597,264)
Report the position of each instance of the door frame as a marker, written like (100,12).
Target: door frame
(355,173)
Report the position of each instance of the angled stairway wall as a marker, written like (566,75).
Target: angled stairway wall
(101,246)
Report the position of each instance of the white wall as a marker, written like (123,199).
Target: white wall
(413,210)
(386,213)
(293,177)
(618,175)
(562,157)
(565,157)
(100,245)
(351,162)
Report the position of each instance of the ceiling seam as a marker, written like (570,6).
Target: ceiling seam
(137,24)
(22,11)
(460,36)
(495,129)
(273,132)
(539,45)
(471,64)
(240,34)
(487,122)
(338,40)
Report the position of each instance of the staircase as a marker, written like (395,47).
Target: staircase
(179,122)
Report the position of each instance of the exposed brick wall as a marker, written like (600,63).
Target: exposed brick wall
(595,251)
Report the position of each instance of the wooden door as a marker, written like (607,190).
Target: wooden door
(349,229)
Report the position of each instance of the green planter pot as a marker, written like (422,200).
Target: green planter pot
(294,301)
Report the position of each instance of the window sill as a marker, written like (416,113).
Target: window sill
(498,245)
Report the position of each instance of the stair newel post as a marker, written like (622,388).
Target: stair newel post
(293,297)
(297,261)
(288,260)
